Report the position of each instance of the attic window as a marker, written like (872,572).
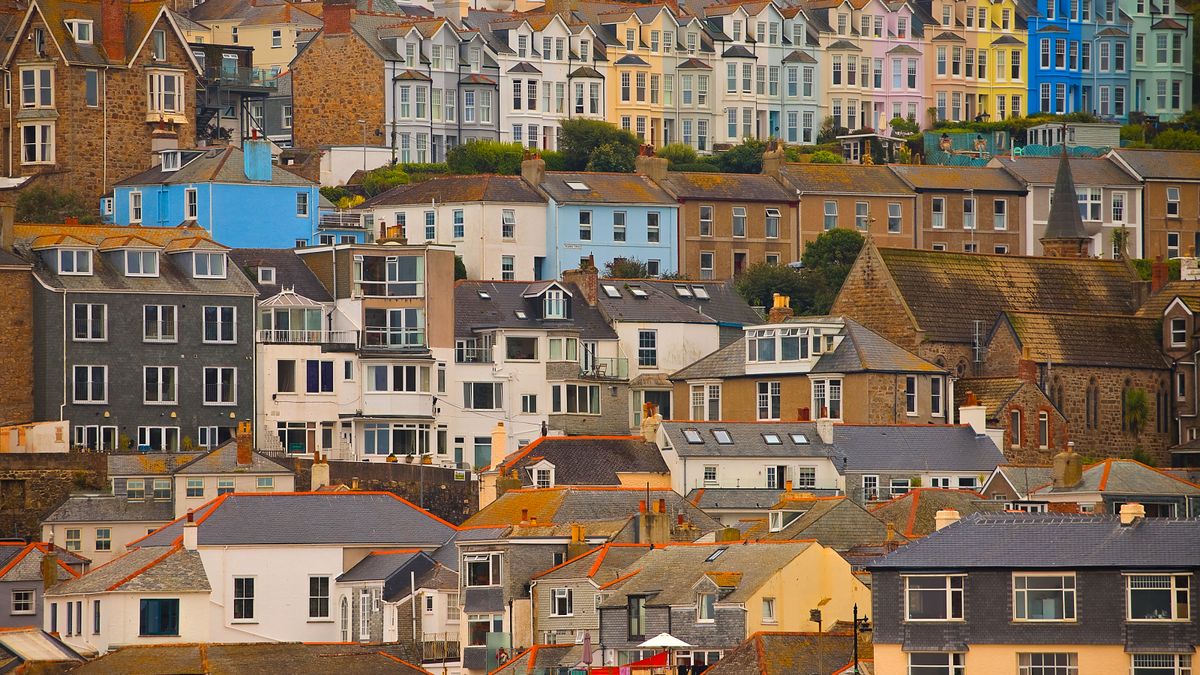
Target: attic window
(701,292)
(485,295)
(171,161)
(772,439)
(683,291)
(266,275)
(715,554)
(799,439)
(577,186)
(81,30)
(637,291)
(611,291)
(520,314)
(722,436)
(693,436)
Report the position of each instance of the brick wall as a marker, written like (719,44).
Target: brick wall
(336,81)
(31,486)
(430,487)
(16,347)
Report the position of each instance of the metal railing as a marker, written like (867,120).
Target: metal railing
(473,355)
(394,338)
(242,77)
(345,219)
(323,337)
(439,651)
(271,446)
(606,368)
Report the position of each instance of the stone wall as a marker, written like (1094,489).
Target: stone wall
(430,487)
(33,485)
(16,347)
(869,297)
(336,81)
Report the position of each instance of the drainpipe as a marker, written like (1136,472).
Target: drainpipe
(62,408)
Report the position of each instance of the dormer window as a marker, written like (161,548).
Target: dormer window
(171,161)
(208,265)
(543,476)
(554,305)
(80,30)
(76,261)
(266,275)
(706,607)
(141,263)
(777,520)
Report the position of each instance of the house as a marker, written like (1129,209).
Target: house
(496,224)
(918,512)
(629,461)
(714,596)
(148,490)
(238,196)
(836,522)
(26,570)
(391,299)
(869,199)
(1110,202)
(1012,483)
(717,299)
(1159,85)
(231,94)
(604,217)
(774,652)
(183,371)
(1174,303)
(1105,486)
(1170,183)
(105,86)
(273,31)
(803,368)
(1102,594)
(1017,407)
(968,209)
(16,345)
(566,597)
(200,578)
(728,222)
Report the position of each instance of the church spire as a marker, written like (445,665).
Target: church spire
(1065,235)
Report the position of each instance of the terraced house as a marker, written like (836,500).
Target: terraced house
(1160,75)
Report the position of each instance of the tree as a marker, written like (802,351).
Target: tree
(745,157)
(1137,410)
(626,268)
(40,204)
(384,178)
(1176,139)
(460,268)
(613,157)
(825,157)
(757,283)
(486,157)
(827,260)
(677,153)
(581,137)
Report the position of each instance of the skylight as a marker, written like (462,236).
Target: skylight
(577,186)
(683,291)
(716,554)
(701,292)
(521,314)
(772,439)
(692,436)
(722,436)
(799,439)
(637,291)
(485,295)
(611,291)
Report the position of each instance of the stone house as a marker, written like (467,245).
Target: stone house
(16,343)
(1105,486)
(1170,182)
(566,598)
(1067,598)
(1016,406)
(1179,346)
(973,210)
(869,199)
(100,88)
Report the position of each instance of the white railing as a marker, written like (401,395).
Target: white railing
(347,337)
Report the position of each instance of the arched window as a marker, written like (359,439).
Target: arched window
(1014,427)
(1092,404)
(1162,410)
(345,620)
(1043,429)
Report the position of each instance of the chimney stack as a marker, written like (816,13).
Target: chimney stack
(1027,368)
(354,484)
(578,546)
(586,279)
(452,10)
(825,429)
(729,534)
(1131,513)
(524,516)
(191,532)
(336,16)
(654,168)
(245,444)
(651,421)
(319,472)
(945,517)
(499,446)
(654,527)
(1159,274)
(773,157)
(781,309)
(112,29)
(533,170)
(7,219)
(970,412)
(1067,469)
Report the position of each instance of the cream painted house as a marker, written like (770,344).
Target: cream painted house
(275,31)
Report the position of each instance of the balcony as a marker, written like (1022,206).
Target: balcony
(473,355)
(605,368)
(438,651)
(408,339)
(309,337)
(271,446)
(346,219)
(250,79)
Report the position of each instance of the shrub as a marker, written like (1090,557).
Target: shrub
(825,157)
(475,157)
(678,153)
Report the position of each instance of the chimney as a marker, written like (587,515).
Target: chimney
(1067,469)
(729,534)
(787,486)
(1159,274)
(320,471)
(945,517)
(354,484)
(112,29)
(651,422)
(7,235)
(452,10)
(773,157)
(49,566)
(1027,368)
(499,446)
(336,15)
(533,170)
(662,506)
(524,516)
(256,159)
(191,532)
(654,527)
(781,309)
(973,414)
(654,168)
(1131,513)
(533,521)
(891,532)
(578,544)
(1189,267)
(586,279)
(825,429)
(245,444)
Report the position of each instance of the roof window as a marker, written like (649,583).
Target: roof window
(683,291)
(637,291)
(716,554)
(693,436)
(521,314)
(701,292)
(577,186)
(722,436)
(772,439)
(485,295)
(611,291)
(799,439)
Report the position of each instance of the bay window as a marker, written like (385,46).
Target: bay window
(165,92)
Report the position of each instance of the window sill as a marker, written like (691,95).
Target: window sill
(243,621)
(159,635)
(320,621)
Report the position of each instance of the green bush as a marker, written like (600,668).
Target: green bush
(613,157)
(1134,133)
(383,179)
(698,166)
(475,157)
(1177,139)
(825,157)
(426,167)
(1142,266)
(554,160)
(40,204)
(745,157)
(678,153)
(581,138)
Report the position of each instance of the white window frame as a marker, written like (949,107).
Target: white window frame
(191,202)
(219,323)
(1173,588)
(1070,609)
(221,373)
(163,396)
(96,316)
(209,256)
(949,595)
(42,145)
(91,370)
(565,595)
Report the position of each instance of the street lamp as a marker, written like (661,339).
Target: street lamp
(865,624)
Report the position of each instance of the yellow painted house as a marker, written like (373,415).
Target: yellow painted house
(642,69)
(272,30)
(976,59)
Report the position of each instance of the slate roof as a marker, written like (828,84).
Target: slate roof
(330,518)
(218,165)
(538,659)
(1050,540)
(23,562)
(957,178)
(791,653)
(919,448)
(223,460)
(1085,171)
(139,464)
(8,259)
(251,659)
(727,186)
(456,189)
(723,303)
(798,56)
(631,60)
(587,460)
(290,272)
(837,522)
(913,513)
(1155,305)
(993,393)
(106,508)
(658,305)
(383,565)
(1023,478)
(602,564)
(152,569)
(1173,165)
(728,361)
(845,179)
(139,19)
(1122,477)
(1089,339)
(578,504)
(605,188)
(668,575)
(474,312)
(734,498)
(748,439)
(981,286)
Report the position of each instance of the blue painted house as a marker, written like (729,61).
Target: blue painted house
(1080,57)
(240,196)
(608,216)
